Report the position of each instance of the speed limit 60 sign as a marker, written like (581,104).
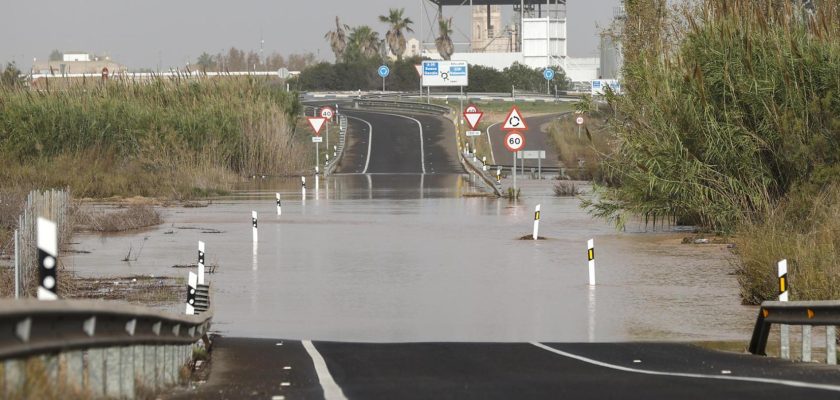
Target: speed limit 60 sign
(514,141)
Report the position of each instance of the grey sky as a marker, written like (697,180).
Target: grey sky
(142,33)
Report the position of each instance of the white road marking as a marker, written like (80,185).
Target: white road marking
(287,367)
(285,384)
(799,384)
(422,151)
(331,389)
(370,140)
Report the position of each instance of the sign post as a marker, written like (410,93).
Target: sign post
(316,123)
(472,115)
(327,113)
(579,121)
(383,71)
(515,124)
(548,74)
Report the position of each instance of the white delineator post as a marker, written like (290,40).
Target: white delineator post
(17,264)
(200,262)
(784,330)
(47,259)
(536,233)
(590,254)
(254,224)
(303,187)
(191,287)
(279,206)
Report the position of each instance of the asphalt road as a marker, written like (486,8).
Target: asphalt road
(535,139)
(259,368)
(399,143)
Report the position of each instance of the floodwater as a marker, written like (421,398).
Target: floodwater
(396,258)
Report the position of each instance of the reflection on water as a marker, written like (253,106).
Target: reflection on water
(406,258)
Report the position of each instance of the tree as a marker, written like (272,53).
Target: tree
(11,76)
(300,62)
(394,36)
(56,55)
(444,42)
(338,40)
(364,42)
(205,61)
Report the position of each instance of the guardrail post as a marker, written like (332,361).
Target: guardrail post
(112,372)
(126,372)
(171,365)
(831,345)
(14,377)
(139,366)
(96,372)
(73,369)
(806,343)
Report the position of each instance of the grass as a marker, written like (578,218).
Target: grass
(566,189)
(133,217)
(581,153)
(171,139)
(809,238)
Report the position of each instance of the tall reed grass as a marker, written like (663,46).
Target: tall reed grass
(731,104)
(154,138)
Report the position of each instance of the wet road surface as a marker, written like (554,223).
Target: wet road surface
(328,370)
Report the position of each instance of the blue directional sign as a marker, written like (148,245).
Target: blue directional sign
(548,74)
(384,71)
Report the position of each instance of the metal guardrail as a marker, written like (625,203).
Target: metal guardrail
(32,327)
(401,105)
(805,313)
(342,136)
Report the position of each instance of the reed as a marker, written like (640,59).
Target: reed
(158,137)
(731,104)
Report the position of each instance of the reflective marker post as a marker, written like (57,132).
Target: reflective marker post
(200,262)
(47,259)
(254,224)
(784,330)
(590,254)
(279,207)
(536,233)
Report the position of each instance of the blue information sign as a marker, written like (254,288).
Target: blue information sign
(548,74)
(384,71)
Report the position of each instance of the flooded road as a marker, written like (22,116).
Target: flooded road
(403,257)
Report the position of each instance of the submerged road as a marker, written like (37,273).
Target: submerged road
(263,368)
(390,146)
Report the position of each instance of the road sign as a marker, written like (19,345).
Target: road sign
(473,133)
(599,86)
(384,71)
(327,113)
(579,120)
(316,123)
(514,121)
(472,115)
(419,68)
(317,139)
(531,154)
(514,141)
(548,74)
(445,73)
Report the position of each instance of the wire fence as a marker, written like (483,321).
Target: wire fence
(53,204)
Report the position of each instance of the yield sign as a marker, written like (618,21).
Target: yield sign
(419,68)
(316,123)
(472,115)
(514,121)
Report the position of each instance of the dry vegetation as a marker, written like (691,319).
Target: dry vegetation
(117,220)
(581,153)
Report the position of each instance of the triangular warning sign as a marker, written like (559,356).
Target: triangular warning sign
(316,123)
(473,118)
(514,121)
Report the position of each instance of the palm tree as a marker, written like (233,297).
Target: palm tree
(444,42)
(394,36)
(338,40)
(365,40)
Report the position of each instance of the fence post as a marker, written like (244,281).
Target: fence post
(17,264)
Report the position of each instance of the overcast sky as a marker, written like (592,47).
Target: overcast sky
(144,33)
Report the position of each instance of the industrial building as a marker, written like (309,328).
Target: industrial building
(535,35)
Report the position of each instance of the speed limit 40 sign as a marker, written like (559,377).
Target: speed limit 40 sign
(327,112)
(514,141)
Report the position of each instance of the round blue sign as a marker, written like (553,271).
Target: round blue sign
(548,74)
(384,71)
